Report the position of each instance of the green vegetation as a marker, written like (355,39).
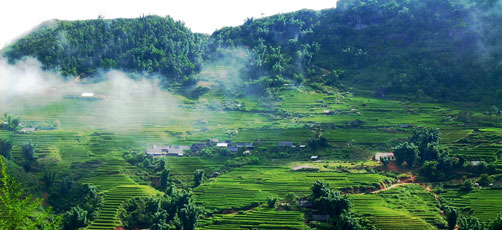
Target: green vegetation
(317,93)
(404,207)
(21,212)
(249,185)
(152,44)
(260,217)
(174,210)
(389,46)
(403,47)
(480,203)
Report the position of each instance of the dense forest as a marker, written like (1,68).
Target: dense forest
(151,44)
(434,48)
(441,49)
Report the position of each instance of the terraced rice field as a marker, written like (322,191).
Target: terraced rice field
(272,137)
(405,207)
(257,218)
(485,204)
(114,198)
(101,130)
(253,184)
(363,136)
(184,167)
(486,153)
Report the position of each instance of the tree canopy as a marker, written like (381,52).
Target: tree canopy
(148,44)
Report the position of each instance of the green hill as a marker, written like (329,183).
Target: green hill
(436,48)
(148,44)
(443,49)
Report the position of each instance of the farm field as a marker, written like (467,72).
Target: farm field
(482,203)
(342,115)
(89,146)
(403,207)
(260,218)
(248,185)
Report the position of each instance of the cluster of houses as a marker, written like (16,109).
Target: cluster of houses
(180,150)
(167,150)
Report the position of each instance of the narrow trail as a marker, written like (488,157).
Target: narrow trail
(410,180)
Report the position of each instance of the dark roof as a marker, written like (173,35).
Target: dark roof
(306,203)
(198,146)
(233,149)
(286,143)
(320,217)
(244,145)
(170,150)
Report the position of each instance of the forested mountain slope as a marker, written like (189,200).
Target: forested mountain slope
(151,44)
(438,48)
(444,49)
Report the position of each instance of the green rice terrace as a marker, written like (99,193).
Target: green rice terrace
(237,186)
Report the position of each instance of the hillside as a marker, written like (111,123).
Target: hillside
(148,44)
(443,49)
(377,114)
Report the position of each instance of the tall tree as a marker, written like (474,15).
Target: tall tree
(319,189)
(29,155)
(425,138)
(75,218)
(470,223)
(18,211)
(29,152)
(451,217)
(497,223)
(406,152)
(198,177)
(5,147)
(164,178)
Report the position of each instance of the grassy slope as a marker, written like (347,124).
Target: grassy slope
(75,143)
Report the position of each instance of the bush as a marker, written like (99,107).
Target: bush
(272,202)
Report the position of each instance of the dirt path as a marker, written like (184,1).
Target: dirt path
(409,180)
(390,187)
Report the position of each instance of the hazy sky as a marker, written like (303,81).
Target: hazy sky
(20,16)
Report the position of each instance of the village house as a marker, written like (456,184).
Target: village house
(28,130)
(328,112)
(198,146)
(87,95)
(380,156)
(233,148)
(167,150)
(475,163)
(244,145)
(305,203)
(222,145)
(286,144)
(314,158)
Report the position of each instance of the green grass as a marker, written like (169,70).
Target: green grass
(363,136)
(167,118)
(274,136)
(484,203)
(253,184)
(257,218)
(184,167)
(405,207)
(108,214)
